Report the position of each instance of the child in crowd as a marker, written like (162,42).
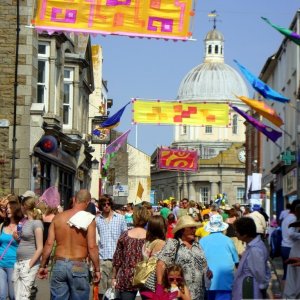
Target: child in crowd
(173,281)
(171,222)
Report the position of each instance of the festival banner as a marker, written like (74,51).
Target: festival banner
(178,160)
(176,113)
(167,19)
(261,87)
(266,111)
(293,36)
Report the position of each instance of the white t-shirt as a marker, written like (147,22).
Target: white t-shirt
(289,235)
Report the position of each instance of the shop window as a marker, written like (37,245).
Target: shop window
(65,186)
(45,175)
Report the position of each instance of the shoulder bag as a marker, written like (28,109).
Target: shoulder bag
(143,269)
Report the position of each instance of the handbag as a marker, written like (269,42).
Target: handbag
(143,269)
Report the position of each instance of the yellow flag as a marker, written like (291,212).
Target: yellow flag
(140,191)
(176,113)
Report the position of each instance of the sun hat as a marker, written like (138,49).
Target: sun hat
(185,222)
(215,224)
(51,197)
(28,194)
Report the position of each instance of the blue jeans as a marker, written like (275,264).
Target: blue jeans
(70,280)
(6,284)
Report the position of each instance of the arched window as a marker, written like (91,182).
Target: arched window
(216,49)
(209,49)
(235,124)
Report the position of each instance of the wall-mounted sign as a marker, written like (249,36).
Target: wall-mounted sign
(100,135)
(120,190)
(290,182)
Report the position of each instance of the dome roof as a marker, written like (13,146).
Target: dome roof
(214,35)
(212,81)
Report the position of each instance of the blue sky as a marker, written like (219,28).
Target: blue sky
(153,69)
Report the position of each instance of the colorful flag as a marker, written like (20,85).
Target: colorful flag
(261,87)
(110,123)
(293,36)
(113,147)
(117,143)
(140,18)
(269,132)
(140,191)
(176,113)
(177,159)
(263,109)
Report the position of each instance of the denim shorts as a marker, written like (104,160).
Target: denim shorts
(70,280)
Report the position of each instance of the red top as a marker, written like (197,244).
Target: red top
(170,227)
(128,253)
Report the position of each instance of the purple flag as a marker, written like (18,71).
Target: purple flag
(117,143)
(269,132)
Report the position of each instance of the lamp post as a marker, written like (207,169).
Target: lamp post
(14,139)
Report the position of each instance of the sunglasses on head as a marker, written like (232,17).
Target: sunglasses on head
(174,278)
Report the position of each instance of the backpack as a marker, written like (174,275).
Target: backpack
(275,243)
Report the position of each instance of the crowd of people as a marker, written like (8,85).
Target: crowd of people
(180,250)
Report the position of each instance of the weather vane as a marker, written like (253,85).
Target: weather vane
(213,14)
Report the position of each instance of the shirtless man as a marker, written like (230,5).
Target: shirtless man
(70,276)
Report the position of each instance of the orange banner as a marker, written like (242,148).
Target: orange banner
(179,160)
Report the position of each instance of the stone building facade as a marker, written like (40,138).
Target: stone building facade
(280,163)
(221,149)
(53,82)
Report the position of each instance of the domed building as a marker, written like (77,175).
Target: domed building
(213,81)
(221,152)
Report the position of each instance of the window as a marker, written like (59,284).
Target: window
(45,175)
(43,73)
(209,49)
(65,187)
(216,49)
(240,194)
(204,195)
(68,98)
(235,124)
(208,129)
(183,129)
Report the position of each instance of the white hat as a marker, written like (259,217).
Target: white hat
(28,194)
(215,224)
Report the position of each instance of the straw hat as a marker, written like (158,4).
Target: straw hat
(184,222)
(215,224)
(28,194)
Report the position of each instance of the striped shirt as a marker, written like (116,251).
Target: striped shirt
(109,233)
